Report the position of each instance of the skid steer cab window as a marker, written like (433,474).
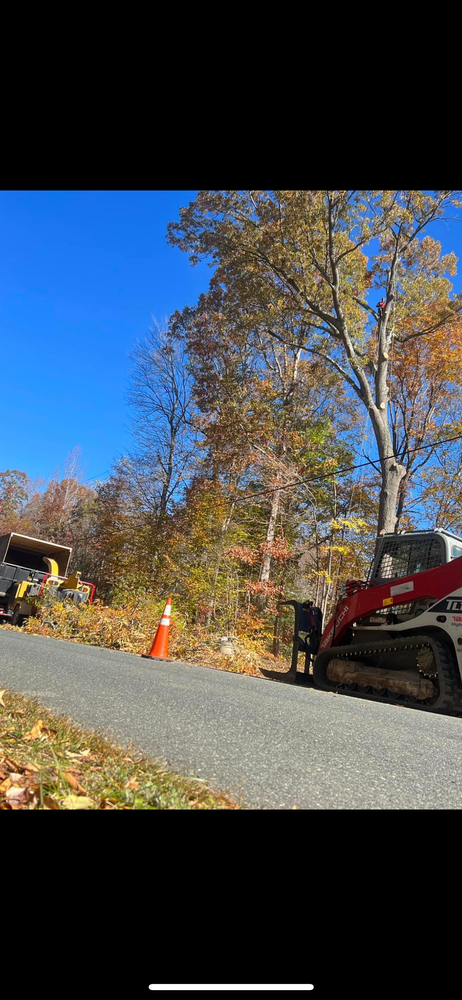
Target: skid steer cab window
(456,552)
(405,556)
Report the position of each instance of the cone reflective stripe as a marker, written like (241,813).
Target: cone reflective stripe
(159,648)
(165,620)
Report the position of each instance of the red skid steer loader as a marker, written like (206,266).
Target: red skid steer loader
(396,637)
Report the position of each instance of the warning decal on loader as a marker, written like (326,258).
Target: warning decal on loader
(402,588)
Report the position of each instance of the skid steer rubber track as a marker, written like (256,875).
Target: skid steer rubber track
(448,696)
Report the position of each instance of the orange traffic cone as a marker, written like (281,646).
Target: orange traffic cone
(159,648)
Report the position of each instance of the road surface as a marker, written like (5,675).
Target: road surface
(268,745)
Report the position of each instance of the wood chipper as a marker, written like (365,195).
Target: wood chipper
(397,636)
(30,567)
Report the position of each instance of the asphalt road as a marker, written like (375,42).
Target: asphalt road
(268,745)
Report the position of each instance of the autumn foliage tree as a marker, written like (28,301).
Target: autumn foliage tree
(319,257)
(267,418)
(160,397)
(425,406)
(15,487)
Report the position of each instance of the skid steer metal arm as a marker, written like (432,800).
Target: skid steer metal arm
(302,623)
(296,644)
(433,584)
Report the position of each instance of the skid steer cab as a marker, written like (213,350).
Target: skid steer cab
(31,568)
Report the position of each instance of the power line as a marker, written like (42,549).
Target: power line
(95,477)
(333,472)
(316,479)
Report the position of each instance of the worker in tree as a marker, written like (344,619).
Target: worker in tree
(381,306)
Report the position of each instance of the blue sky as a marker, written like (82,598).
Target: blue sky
(82,273)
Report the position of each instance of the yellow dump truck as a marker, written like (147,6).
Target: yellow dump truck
(30,567)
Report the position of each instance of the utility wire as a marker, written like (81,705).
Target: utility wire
(327,475)
(95,477)
(316,479)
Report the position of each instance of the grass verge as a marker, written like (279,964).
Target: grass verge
(48,762)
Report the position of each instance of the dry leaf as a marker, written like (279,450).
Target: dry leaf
(10,764)
(132,783)
(5,784)
(1,697)
(77,802)
(17,796)
(72,781)
(49,803)
(36,731)
(30,767)
(34,796)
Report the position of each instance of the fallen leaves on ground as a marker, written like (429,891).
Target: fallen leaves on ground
(36,731)
(72,781)
(57,765)
(77,802)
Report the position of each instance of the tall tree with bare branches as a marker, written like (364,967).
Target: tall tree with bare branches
(321,256)
(161,401)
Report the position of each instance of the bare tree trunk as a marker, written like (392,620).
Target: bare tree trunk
(168,474)
(318,571)
(391,478)
(223,532)
(265,570)
(328,581)
(401,500)
(392,474)
(277,619)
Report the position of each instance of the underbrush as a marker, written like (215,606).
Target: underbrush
(132,630)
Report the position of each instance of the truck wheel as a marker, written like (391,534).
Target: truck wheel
(18,619)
